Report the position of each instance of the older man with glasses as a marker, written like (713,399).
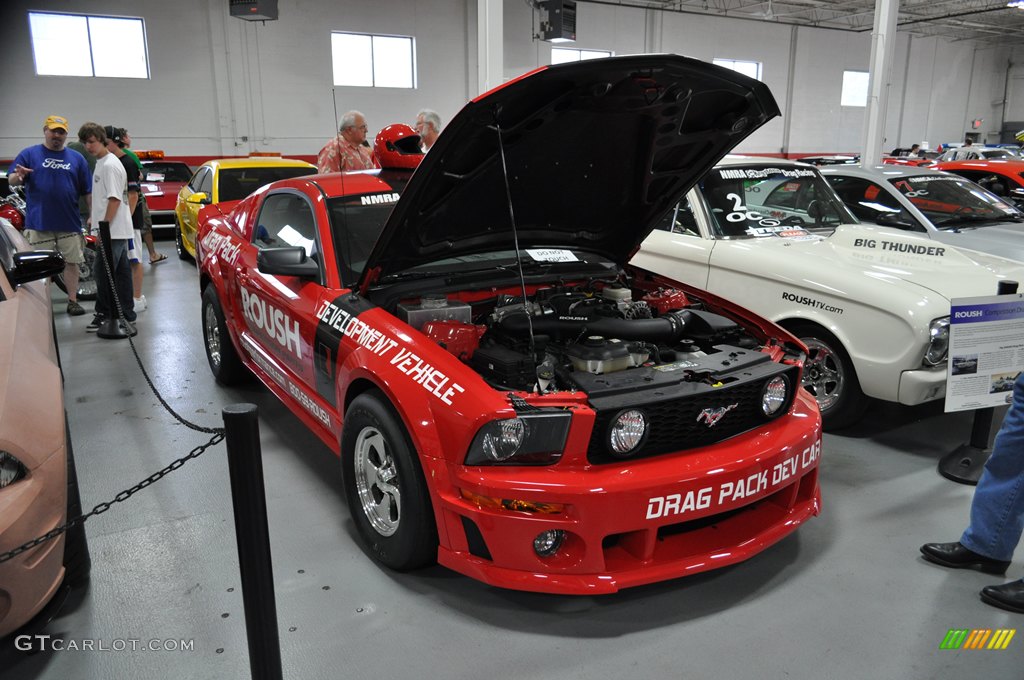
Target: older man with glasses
(348,150)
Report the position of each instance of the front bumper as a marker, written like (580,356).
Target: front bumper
(31,508)
(922,385)
(640,522)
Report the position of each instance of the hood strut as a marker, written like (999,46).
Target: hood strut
(515,232)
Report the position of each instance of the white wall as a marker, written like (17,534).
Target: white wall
(222,86)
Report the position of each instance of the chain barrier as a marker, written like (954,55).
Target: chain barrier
(217,432)
(123,496)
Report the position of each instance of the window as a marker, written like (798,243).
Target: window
(747,68)
(562,55)
(855,88)
(90,46)
(361,60)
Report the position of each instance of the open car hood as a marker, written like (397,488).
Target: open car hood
(595,151)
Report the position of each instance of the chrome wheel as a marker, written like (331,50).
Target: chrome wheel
(376,481)
(212,328)
(824,376)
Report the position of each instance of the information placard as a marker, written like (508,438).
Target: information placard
(986,350)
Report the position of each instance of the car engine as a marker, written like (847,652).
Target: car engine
(579,338)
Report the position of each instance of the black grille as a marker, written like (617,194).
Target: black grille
(674,424)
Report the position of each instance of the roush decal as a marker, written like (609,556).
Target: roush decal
(730,491)
(339,318)
(811,302)
(274,322)
(294,390)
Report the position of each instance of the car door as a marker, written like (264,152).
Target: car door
(680,247)
(279,311)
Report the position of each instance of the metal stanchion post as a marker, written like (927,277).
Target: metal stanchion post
(965,463)
(245,466)
(110,328)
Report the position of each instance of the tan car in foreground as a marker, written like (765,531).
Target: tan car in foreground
(38,486)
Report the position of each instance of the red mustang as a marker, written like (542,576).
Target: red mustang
(507,396)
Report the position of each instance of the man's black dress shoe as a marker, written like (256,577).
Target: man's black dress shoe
(1007,596)
(956,556)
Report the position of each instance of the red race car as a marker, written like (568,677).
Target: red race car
(161,182)
(507,396)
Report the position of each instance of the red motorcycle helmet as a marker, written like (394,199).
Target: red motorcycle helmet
(398,146)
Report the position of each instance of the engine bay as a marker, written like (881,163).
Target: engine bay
(601,337)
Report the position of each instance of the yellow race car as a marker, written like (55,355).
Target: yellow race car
(226,179)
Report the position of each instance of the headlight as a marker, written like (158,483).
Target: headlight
(528,439)
(627,432)
(11,469)
(774,395)
(938,342)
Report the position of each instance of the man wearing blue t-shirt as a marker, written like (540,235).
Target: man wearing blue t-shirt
(54,177)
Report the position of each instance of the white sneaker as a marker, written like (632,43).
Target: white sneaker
(140,303)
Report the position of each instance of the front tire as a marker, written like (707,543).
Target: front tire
(384,485)
(224,361)
(830,377)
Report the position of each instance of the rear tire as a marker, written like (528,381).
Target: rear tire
(224,361)
(384,485)
(830,377)
(179,244)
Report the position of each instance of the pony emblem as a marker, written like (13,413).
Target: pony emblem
(711,416)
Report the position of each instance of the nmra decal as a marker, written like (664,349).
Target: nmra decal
(710,416)
(377,199)
(274,322)
(730,491)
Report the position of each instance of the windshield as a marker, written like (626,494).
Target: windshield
(356,224)
(235,184)
(166,172)
(767,200)
(950,201)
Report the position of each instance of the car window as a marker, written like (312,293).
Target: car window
(206,184)
(764,200)
(166,172)
(998,185)
(680,220)
(355,228)
(951,201)
(234,184)
(197,179)
(870,202)
(286,219)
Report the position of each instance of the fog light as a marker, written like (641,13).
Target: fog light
(627,432)
(774,395)
(547,543)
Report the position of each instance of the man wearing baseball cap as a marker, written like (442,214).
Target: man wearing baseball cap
(54,176)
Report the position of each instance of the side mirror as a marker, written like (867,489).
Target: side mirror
(36,264)
(288,261)
(891,219)
(199,197)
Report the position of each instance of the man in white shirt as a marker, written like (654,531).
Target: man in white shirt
(110,204)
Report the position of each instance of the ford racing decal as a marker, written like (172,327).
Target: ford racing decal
(763,173)
(811,302)
(730,491)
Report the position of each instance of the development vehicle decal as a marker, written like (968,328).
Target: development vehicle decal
(811,302)
(730,491)
(339,318)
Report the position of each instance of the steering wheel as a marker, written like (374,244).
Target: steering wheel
(817,211)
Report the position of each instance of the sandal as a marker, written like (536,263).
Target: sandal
(159,258)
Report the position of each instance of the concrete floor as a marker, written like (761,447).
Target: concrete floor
(847,596)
